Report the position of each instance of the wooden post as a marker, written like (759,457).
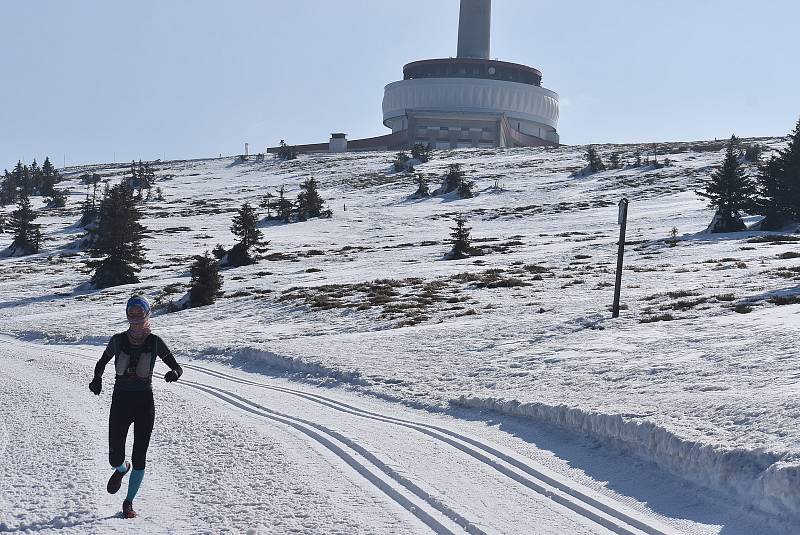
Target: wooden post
(623,224)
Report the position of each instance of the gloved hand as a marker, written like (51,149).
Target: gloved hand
(96,386)
(171,376)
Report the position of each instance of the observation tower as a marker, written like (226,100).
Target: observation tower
(471,100)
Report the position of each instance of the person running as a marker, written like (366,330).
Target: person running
(134,352)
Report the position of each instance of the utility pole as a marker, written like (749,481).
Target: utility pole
(623,225)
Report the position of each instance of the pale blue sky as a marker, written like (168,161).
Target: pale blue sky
(101,79)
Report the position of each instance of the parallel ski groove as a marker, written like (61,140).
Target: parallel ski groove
(317,433)
(329,443)
(568,496)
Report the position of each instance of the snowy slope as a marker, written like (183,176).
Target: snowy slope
(710,396)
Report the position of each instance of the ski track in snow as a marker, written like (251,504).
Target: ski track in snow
(207,472)
(436,514)
(567,494)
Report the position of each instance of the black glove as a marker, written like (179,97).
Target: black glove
(96,386)
(171,376)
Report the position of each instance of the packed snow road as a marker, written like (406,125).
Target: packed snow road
(233,452)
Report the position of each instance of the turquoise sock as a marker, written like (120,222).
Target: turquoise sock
(134,483)
(122,468)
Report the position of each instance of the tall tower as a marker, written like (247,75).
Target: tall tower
(475,29)
(471,100)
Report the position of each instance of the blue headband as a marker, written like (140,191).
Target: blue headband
(139,301)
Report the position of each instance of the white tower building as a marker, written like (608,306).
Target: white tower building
(471,100)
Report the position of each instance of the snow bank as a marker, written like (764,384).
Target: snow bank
(255,359)
(762,479)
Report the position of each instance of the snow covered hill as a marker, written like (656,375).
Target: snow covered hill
(699,375)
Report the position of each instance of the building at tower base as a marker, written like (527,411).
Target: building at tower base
(472,100)
(454,103)
(467,101)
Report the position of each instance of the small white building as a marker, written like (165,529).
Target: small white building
(338,143)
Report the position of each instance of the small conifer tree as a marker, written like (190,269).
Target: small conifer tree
(22,179)
(56,199)
(132,182)
(283,206)
(35,174)
(422,186)
(614,160)
(206,283)
(49,178)
(268,204)
(8,189)
(465,189)
(251,239)
(422,152)
(773,193)
(453,178)
(400,162)
(117,253)
(146,176)
(595,162)
(142,177)
(779,184)
(309,203)
(27,234)
(729,191)
(301,207)
(673,237)
(219,251)
(460,238)
(89,211)
(753,152)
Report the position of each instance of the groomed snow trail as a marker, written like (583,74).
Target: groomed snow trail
(398,471)
(571,495)
(209,471)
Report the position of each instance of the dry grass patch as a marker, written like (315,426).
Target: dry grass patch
(657,318)
(679,294)
(774,239)
(789,255)
(685,304)
(783,300)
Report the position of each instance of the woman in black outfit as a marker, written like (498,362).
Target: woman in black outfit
(134,352)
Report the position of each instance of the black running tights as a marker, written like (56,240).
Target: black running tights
(128,408)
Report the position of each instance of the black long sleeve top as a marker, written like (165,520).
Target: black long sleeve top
(134,364)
